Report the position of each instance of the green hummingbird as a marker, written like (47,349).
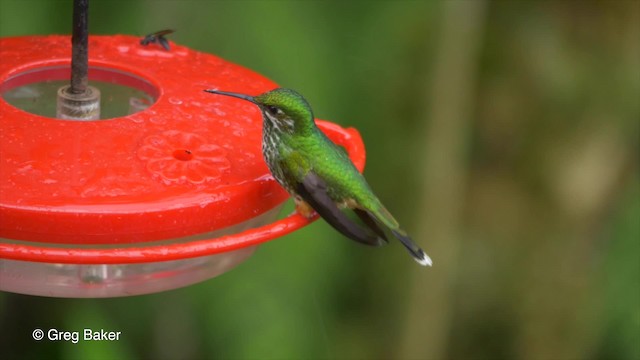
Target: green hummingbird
(319,174)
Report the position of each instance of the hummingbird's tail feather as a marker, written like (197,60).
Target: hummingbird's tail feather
(418,255)
(383,216)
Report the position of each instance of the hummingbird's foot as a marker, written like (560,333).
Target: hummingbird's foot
(303,208)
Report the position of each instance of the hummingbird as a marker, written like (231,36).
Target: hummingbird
(318,174)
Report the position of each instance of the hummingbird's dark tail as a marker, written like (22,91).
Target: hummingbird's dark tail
(382,215)
(418,255)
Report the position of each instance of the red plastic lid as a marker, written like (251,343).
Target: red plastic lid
(191,163)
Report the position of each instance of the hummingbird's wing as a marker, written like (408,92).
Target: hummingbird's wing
(370,221)
(313,190)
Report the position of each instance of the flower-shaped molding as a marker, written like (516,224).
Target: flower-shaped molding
(181,157)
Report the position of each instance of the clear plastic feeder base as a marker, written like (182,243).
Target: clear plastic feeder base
(115,280)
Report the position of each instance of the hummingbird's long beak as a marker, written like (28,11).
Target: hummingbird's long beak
(236,95)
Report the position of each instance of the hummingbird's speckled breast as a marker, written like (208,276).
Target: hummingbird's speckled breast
(271,154)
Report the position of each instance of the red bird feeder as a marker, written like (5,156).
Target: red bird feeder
(166,189)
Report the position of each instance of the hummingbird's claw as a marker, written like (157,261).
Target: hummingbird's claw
(303,208)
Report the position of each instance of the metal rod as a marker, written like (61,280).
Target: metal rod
(80,47)
(78,100)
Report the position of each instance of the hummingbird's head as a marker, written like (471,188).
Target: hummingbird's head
(285,109)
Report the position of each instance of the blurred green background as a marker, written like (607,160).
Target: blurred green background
(503,135)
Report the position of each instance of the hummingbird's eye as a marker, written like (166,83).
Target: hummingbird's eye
(273,110)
